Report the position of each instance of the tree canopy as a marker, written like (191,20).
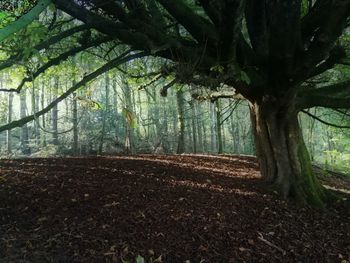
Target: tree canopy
(276,54)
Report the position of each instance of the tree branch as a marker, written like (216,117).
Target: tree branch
(329,29)
(44,44)
(197,26)
(336,96)
(325,122)
(57,60)
(115,29)
(105,68)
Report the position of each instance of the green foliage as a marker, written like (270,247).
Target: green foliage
(129,117)
(244,77)
(217,69)
(140,259)
(5,18)
(88,103)
(24,20)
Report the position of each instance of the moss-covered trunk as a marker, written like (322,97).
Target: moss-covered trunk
(283,157)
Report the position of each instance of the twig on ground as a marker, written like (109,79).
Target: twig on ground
(261,238)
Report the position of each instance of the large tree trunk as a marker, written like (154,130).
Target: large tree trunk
(283,157)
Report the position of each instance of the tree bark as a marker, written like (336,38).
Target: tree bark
(194,126)
(129,132)
(55,115)
(75,124)
(199,121)
(219,126)
(9,119)
(24,129)
(181,122)
(213,130)
(43,117)
(283,157)
(104,113)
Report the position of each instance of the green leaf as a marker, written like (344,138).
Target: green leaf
(245,78)
(3,15)
(217,68)
(130,118)
(140,259)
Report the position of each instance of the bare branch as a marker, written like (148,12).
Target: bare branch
(325,122)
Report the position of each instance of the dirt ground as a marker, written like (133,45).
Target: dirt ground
(163,208)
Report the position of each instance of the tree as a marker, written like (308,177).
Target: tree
(24,129)
(180,121)
(267,51)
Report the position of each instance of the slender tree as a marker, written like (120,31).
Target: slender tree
(9,120)
(180,121)
(24,129)
(54,118)
(75,123)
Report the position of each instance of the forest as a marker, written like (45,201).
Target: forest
(175,131)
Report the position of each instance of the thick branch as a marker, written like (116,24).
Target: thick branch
(329,30)
(256,18)
(197,26)
(311,21)
(177,49)
(213,9)
(115,29)
(336,96)
(336,55)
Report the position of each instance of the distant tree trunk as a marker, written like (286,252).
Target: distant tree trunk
(199,121)
(282,154)
(311,144)
(235,134)
(24,129)
(181,122)
(149,116)
(9,119)
(129,139)
(115,107)
(75,124)
(139,115)
(44,143)
(174,129)
(156,118)
(55,114)
(165,146)
(194,127)
(35,108)
(205,144)
(213,130)
(104,114)
(219,126)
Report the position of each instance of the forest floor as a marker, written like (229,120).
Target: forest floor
(163,208)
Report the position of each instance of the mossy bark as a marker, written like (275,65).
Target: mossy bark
(283,157)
